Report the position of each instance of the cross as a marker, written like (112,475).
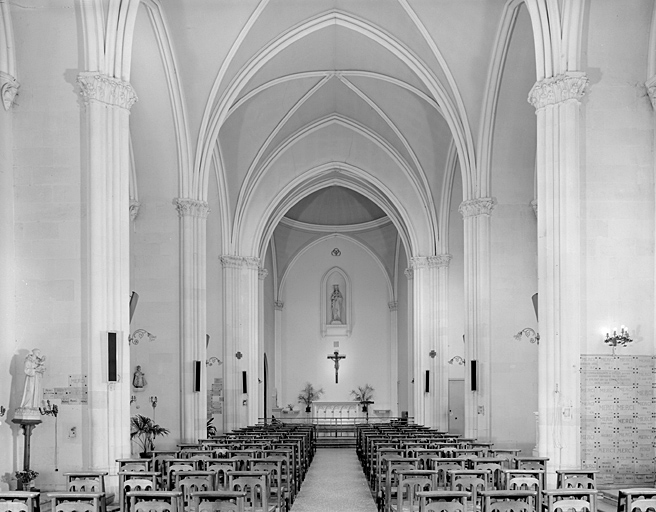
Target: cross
(336,357)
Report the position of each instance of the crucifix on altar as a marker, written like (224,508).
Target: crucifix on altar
(336,357)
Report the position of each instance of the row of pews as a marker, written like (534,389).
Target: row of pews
(260,467)
(415,468)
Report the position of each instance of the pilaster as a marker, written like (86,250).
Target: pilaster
(393,307)
(476,218)
(107,103)
(262,274)
(240,339)
(278,307)
(193,316)
(557,103)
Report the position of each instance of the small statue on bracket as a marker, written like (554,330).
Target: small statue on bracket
(139,379)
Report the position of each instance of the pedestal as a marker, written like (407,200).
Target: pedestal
(27,423)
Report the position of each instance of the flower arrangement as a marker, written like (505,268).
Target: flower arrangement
(308,395)
(144,430)
(25,477)
(364,395)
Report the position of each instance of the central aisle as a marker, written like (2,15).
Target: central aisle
(335,481)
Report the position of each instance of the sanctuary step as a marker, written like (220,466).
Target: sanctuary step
(336,436)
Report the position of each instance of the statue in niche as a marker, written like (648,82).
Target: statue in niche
(336,303)
(139,378)
(35,367)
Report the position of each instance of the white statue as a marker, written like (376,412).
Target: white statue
(35,366)
(336,301)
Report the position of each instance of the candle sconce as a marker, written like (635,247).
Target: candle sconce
(49,409)
(622,339)
(2,411)
(153,401)
(532,336)
(136,336)
(133,398)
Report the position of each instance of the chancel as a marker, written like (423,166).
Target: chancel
(301,180)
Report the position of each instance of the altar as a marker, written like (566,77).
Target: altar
(343,412)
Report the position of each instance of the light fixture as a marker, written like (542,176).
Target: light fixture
(622,339)
(532,336)
(133,339)
(49,410)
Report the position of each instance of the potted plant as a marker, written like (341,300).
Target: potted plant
(144,430)
(26,479)
(364,395)
(308,395)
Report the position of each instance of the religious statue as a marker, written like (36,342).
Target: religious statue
(139,378)
(35,366)
(336,301)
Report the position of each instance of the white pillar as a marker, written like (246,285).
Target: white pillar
(108,102)
(394,358)
(430,408)
(193,316)
(240,340)
(476,217)
(557,105)
(278,307)
(262,274)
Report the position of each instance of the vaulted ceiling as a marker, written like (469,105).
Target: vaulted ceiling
(377,102)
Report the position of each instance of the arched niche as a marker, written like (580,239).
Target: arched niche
(335,280)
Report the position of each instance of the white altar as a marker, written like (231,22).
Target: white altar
(336,413)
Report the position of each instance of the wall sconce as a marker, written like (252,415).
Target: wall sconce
(622,339)
(133,339)
(457,359)
(532,336)
(2,410)
(432,353)
(153,401)
(49,410)
(133,398)
(212,360)
(239,355)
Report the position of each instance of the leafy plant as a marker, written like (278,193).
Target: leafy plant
(26,476)
(363,394)
(308,394)
(144,430)
(211,429)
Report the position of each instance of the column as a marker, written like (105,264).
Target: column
(430,408)
(394,357)
(106,158)
(240,340)
(476,218)
(557,104)
(277,315)
(262,274)
(193,316)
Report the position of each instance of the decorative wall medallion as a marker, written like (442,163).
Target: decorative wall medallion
(336,252)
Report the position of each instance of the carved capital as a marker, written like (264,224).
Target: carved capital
(231,261)
(393,306)
(409,273)
(191,207)
(105,89)
(439,260)
(262,273)
(534,205)
(651,90)
(476,207)
(278,305)
(8,89)
(558,89)
(134,209)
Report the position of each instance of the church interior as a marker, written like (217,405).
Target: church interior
(208,205)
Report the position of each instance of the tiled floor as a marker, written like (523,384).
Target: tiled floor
(335,482)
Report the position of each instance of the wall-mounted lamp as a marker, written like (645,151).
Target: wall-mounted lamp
(212,360)
(49,410)
(153,401)
(457,360)
(2,410)
(432,353)
(622,339)
(133,398)
(239,355)
(532,336)
(135,337)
